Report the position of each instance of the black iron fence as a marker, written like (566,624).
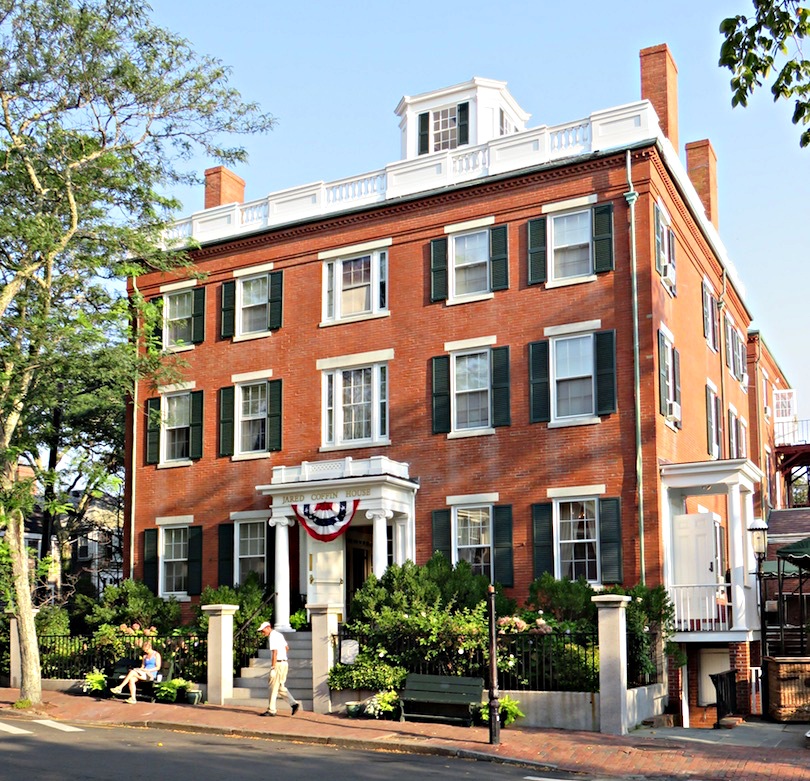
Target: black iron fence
(73,657)
(725,685)
(645,662)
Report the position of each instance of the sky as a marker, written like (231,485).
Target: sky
(332,73)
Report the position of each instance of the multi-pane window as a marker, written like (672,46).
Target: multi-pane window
(573,367)
(711,320)
(443,128)
(474,538)
(714,418)
(732,435)
(255,303)
(178,311)
(175,560)
(250,549)
(571,245)
(669,379)
(578,539)
(356,405)
(665,246)
(177,427)
(356,286)
(735,351)
(471,374)
(505,125)
(253,418)
(470,263)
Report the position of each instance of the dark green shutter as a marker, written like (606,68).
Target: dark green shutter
(194,586)
(274,415)
(610,539)
(226,421)
(442,541)
(198,316)
(676,372)
(707,322)
(709,415)
(498,258)
(150,559)
(153,430)
(463,123)
(276,289)
(228,309)
(438,269)
(499,373)
(157,330)
(658,237)
(663,377)
(539,383)
(195,431)
(503,570)
(537,251)
(543,539)
(440,381)
(225,574)
(269,558)
(603,238)
(605,359)
(424,133)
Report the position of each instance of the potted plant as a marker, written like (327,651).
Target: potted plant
(355,709)
(193,694)
(383,705)
(167,691)
(509,711)
(95,682)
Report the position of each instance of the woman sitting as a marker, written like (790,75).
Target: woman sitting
(146,672)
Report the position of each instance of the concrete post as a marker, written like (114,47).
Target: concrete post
(220,652)
(324,621)
(612,663)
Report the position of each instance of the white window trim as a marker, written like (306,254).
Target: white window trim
(333,260)
(476,431)
(330,371)
(263,374)
(239,454)
(585,419)
(173,287)
(553,279)
(670,357)
(584,326)
(236,556)
(242,276)
(470,344)
(163,461)
(252,271)
(354,359)
(454,530)
(470,499)
(576,491)
(556,521)
(453,297)
(180,596)
(717,443)
(168,291)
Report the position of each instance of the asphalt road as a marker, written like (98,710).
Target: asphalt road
(45,752)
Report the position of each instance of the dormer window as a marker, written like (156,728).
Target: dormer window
(444,128)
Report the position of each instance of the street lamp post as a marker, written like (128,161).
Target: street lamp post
(759,542)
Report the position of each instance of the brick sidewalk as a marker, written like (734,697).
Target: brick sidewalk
(594,754)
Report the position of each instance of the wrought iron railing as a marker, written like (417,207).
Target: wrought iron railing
(725,685)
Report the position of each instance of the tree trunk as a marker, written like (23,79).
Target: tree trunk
(31,687)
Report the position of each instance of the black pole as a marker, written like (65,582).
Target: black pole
(764,689)
(494,705)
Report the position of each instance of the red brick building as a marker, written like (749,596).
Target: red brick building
(524,347)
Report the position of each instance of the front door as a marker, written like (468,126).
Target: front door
(695,571)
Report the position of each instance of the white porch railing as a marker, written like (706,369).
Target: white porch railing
(701,608)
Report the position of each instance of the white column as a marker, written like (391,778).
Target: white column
(281,612)
(612,663)
(324,619)
(736,532)
(379,555)
(220,652)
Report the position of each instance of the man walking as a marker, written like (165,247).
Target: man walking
(278,673)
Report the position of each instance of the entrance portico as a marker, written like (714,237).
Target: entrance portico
(325,499)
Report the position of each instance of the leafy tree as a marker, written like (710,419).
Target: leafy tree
(769,46)
(131,602)
(99,109)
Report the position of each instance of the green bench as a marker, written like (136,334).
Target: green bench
(440,697)
(144,690)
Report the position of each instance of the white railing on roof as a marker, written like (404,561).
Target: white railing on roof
(338,469)
(604,130)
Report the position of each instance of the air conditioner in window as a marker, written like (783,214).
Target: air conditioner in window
(744,379)
(668,273)
(674,411)
(767,411)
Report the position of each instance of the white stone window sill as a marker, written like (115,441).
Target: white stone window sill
(563,423)
(572,281)
(179,348)
(251,337)
(475,432)
(469,299)
(353,446)
(174,464)
(671,424)
(250,456)
(176,597)
(355,318)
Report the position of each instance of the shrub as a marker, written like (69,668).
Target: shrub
(299,620)
(567,601)
(382,703)
(508,709)
(131,602)
(94,681)
(366,673)
(248,595)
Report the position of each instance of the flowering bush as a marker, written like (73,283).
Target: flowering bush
(382,703)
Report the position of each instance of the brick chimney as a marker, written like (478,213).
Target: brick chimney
(701,165)
(659,85)
(223,186)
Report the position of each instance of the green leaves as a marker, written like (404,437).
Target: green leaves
(770,42)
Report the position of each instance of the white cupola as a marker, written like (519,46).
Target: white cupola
(468,114)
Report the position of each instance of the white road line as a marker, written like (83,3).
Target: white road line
(13,730)
(57,725)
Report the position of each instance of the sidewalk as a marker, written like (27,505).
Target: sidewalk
(750,752)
